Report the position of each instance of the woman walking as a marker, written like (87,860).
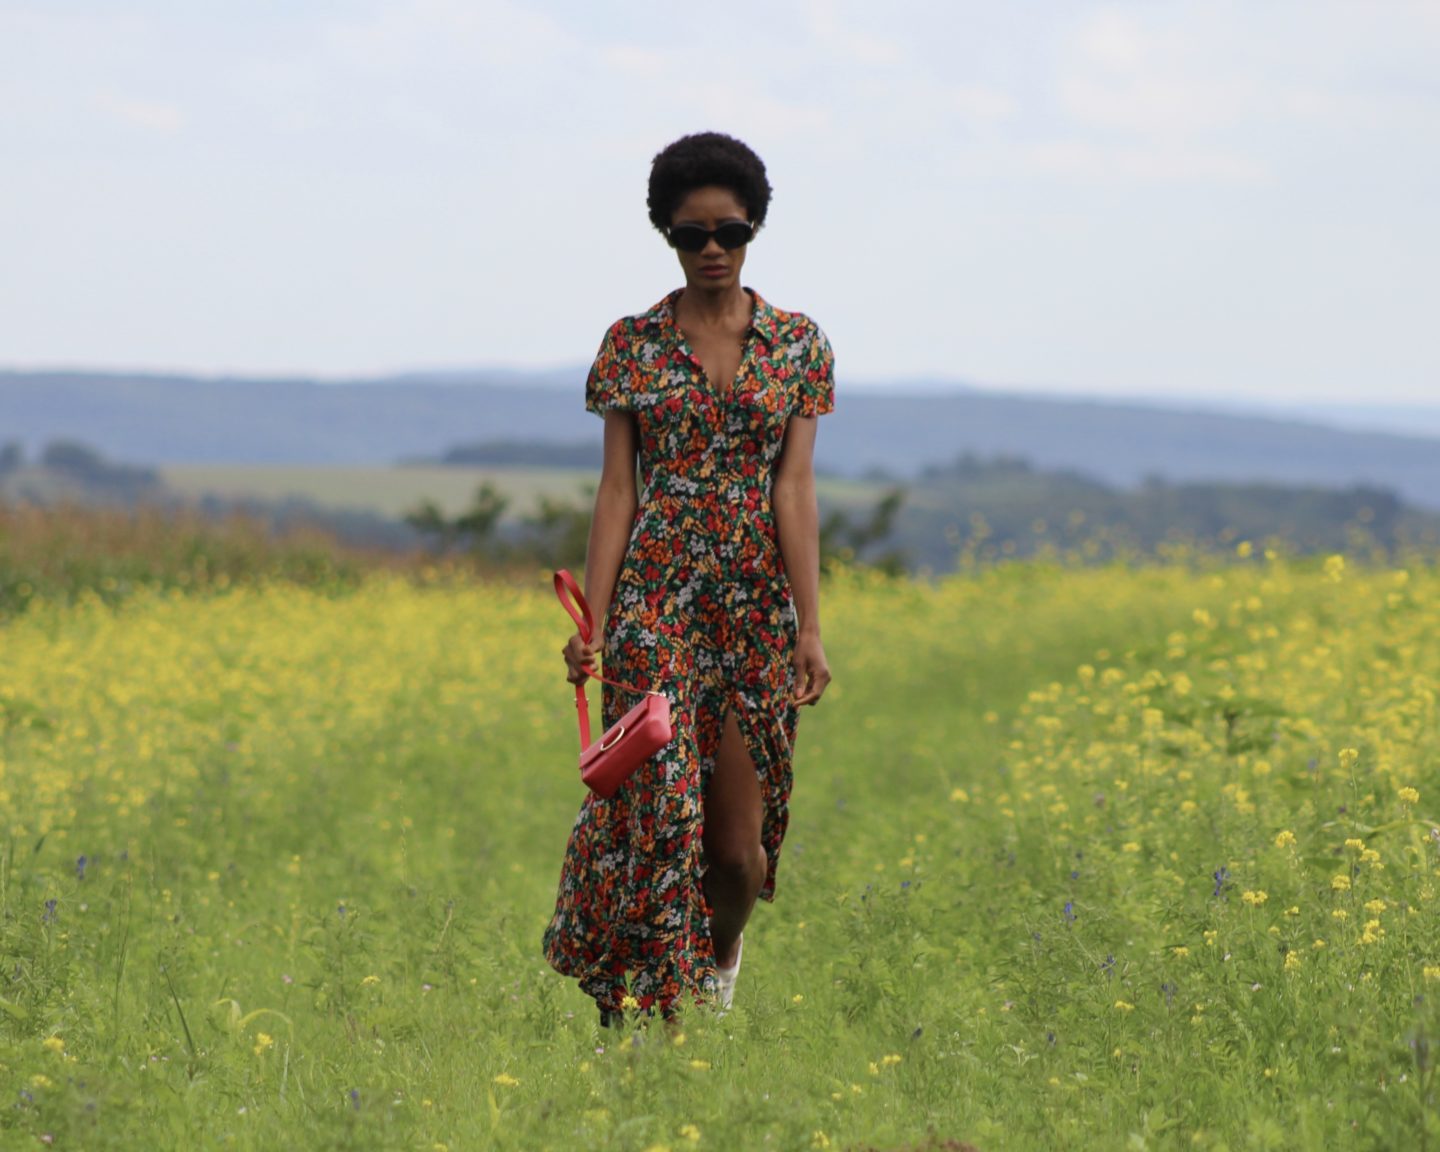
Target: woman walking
(705,578)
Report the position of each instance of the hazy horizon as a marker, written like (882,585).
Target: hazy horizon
(1411,418)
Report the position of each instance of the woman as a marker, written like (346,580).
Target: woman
(706,578)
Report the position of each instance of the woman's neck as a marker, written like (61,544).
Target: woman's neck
(697,306)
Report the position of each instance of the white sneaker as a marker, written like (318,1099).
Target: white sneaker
(725,978)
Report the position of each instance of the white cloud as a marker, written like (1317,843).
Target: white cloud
(156,116)
(1123,74)
(1096,163)
(632,60)
(979,104)
(834,36)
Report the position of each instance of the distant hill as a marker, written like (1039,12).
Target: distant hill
(172,419)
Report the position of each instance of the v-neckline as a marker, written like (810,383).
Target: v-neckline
(746,344)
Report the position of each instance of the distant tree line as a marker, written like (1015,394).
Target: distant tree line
(579,454)
(68,468)
(554,535)
(970,510)
(1005,507)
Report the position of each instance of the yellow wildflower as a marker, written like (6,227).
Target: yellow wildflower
(700,1064)
(1432,973)
(1409,796)
(1355,845)
(629,1003)
(1124,1006)
(41,1081)
(1375,906)
(1340,883)
(1180,951)
(1340,914)
(893,1058)
(370,981)
(263,1043)
(1285,839)
(505,1080)
(54,1044)
(690,1132)
(818,1139)
(1292,961)
(1254,899)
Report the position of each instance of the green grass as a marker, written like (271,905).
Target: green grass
(322,833)
(388,491)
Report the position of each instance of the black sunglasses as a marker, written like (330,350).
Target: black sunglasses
(693,238)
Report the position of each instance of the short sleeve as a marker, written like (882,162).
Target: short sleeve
(607,386)
(817,381)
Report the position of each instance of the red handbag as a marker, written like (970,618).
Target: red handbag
(635,737)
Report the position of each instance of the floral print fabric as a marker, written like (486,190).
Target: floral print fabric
(702,612)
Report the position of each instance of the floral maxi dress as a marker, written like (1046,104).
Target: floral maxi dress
(701,611)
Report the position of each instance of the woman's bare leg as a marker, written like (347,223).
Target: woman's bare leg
(735,862)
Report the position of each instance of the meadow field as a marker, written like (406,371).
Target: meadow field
(1127,857)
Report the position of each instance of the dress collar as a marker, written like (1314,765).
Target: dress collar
(763,320)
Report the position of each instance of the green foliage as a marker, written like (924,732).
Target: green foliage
(69,552)
(274,868)
(474,530)
(584,455)
(983,510)
(843,542)
(554,535)
(68,470)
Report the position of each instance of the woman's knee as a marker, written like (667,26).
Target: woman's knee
(740,857)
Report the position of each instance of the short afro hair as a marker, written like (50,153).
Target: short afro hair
(706,160)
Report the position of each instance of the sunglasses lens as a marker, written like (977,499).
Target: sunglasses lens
(693,238)
(732,236)
(689,237)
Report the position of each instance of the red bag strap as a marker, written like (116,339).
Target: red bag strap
(574,602)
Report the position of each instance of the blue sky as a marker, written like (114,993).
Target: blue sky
(1232,200)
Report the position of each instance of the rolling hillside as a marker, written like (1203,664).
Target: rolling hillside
(168,420)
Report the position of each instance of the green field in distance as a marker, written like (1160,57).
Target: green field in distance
(394,490)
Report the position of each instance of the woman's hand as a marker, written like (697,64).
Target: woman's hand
(580,656)
(812,673)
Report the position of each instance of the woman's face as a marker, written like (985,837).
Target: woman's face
(712,269)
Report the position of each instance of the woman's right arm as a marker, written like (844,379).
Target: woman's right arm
(616,501)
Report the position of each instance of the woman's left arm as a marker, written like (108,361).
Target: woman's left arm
(797,519)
